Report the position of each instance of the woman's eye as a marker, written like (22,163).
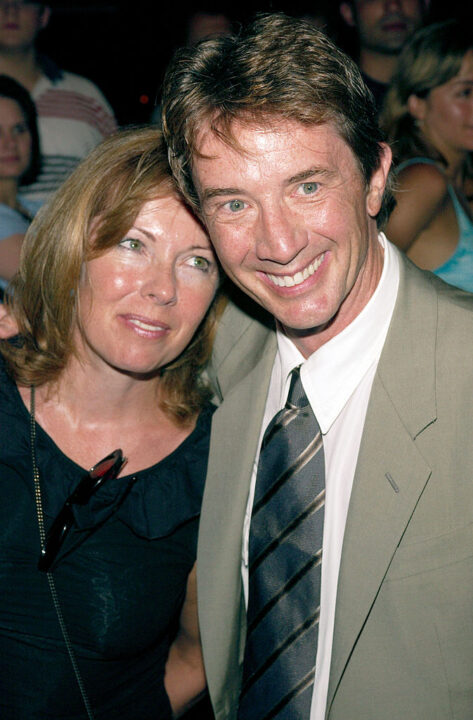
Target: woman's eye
(200,263)
(308,188)
(20,129)
(235,205)
(131,243)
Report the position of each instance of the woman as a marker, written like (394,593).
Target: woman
(19,163)
(112,304)
(428,117)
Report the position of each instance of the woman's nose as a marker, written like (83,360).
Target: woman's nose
(160,285)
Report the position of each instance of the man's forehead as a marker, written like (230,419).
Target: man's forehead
(279,155)
(251,138)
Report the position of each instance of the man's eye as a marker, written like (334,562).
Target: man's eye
(131,243)
(308,188)
(235,205)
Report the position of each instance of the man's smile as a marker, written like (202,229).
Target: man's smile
(298,277)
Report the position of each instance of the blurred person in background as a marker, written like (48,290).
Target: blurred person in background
(381,28)
(114,303)
(428,117)
(205,20)
(73,115)
(19,163)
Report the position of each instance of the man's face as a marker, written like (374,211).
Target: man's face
(384,25)
(20,23)
(292,221)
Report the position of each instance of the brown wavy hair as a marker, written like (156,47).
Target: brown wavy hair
(279,67)
(123,173)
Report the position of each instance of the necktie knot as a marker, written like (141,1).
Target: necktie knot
(296,397)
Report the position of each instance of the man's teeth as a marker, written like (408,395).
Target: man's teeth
(145,326)
(299,277)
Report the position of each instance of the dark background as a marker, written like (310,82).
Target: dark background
(124,46)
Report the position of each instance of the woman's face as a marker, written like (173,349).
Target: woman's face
(15,140)
(142,300)
(446,114)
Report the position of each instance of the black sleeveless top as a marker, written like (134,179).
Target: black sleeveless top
(121,576)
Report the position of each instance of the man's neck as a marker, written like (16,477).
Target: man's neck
(376,65)
(22,66)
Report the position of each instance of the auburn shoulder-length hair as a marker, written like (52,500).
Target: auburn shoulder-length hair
(123,173)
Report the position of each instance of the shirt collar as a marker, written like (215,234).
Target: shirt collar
(332,373)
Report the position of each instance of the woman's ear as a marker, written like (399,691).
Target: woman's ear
(416,107)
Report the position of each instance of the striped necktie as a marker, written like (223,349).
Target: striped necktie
(285,555)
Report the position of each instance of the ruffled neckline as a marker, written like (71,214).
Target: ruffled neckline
(152,502)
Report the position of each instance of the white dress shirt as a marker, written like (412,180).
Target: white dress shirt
(337,379)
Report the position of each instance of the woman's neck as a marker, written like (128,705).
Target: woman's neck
(456,160)
(88,414)
(9,192)
(103,394)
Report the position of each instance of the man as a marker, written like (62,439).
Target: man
(273,140)
(382,27)
(73,115)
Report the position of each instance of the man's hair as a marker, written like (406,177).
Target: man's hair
(90,213)
(431,57)
(13,90)
(278,68)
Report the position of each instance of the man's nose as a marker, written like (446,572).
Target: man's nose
(280,236)
(393,5)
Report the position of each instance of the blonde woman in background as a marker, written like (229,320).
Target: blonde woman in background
(428,118)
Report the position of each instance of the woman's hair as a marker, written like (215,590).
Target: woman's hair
(123,173)
(431,57)
(10,88)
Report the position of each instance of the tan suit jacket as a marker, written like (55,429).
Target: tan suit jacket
(403,639)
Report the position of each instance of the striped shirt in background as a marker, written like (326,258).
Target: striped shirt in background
(73,117)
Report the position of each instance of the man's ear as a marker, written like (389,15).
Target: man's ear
(346,11)
(416,107)
(44,17)
(374,197)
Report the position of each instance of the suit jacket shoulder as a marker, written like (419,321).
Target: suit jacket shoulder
(403,637)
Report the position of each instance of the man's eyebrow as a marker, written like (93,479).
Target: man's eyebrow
(210,193)
(311,172)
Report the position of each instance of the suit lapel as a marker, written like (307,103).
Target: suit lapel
(391,473)
(235,431)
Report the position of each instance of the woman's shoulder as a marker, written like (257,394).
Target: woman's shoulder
(32,206)
(11,222)
(424,175)
(421,191)
(13,414)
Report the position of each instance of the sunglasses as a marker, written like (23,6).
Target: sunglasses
(106,469)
